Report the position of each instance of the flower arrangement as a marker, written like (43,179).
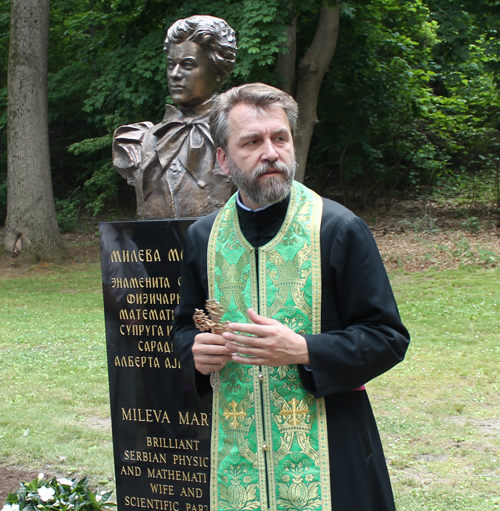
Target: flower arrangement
(57,495)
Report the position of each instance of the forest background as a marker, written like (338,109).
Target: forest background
(409,104)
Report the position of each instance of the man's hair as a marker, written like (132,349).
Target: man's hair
(258,95)
(214,35)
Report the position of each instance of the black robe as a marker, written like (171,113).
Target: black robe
(362,337)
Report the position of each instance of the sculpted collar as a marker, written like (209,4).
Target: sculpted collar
(186,138)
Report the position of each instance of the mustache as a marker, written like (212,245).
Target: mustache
(268,166)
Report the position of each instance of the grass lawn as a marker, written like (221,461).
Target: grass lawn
(438,412)
(54,411)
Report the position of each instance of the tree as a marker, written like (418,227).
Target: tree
(135,68)
(31,224)
(411,94)
(312,68)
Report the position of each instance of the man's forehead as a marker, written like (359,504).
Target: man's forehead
(247,117)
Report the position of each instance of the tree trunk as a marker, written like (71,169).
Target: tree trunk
(286,61)
(312,69)
(31,224)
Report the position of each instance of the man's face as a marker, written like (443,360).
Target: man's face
(260,155)
(191,77)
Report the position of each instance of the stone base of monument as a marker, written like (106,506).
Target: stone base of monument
(161,428)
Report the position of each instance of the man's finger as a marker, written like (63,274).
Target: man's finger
(206,338)
(258,319)
(254,361)
(249,349)
(251,339)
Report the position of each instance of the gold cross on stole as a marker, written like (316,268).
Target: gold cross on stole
(294,412)
(234,414)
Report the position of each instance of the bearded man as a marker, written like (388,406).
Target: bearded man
(311,318)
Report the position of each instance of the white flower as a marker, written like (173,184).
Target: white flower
(41,475)
(11,507)
(46,494)
(98,498)
(66,482)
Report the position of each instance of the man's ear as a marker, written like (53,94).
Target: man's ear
(222,159)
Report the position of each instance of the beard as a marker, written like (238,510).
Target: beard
(271,190)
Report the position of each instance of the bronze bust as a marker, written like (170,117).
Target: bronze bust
(172,164)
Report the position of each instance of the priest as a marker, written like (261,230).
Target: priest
(308,317)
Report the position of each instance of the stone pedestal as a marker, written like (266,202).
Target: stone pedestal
(161,428)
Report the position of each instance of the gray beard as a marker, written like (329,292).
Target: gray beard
(275,189)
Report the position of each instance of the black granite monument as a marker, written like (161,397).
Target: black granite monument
(161,428)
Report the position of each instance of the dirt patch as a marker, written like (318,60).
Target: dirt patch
(82,246)
(487,427)
(420,251)
(412,236)
(10,479)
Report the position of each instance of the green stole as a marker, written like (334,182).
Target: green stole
(269,436)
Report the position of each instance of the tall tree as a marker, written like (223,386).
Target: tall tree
(31,224)
(312,69)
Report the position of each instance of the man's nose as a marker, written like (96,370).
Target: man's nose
(269,152)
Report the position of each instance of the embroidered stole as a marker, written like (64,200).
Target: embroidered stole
(269,436)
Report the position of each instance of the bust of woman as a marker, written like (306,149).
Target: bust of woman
(172,164)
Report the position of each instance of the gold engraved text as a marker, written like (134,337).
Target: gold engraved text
(149,457)
(156,504)
(131,470)
(177,475)
(147,255)
(193,419)
(140,282)
(145,415)
(153,298)
(147,314)
(148,330)
(172,443)
(190,461)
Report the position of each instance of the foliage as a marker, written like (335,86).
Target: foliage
(405,113)
(410,101)
(57,495)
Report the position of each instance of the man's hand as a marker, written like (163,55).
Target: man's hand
(210,353)
(272,344)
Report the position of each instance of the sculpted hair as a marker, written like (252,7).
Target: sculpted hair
(259,95)
(214,35)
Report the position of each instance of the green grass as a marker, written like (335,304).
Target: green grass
(438,411)
(54,411)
